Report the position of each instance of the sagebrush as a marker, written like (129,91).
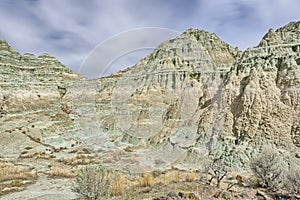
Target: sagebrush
(93,182)
(267,168)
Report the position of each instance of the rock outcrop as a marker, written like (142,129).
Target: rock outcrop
(194,97)
(31,99)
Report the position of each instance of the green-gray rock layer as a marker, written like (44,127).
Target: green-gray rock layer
(194,97)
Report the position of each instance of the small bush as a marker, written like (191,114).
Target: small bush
(93,182)
(217,171)
(267,169)
(252,182)
(293,181)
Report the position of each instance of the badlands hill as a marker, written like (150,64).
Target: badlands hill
(194,98)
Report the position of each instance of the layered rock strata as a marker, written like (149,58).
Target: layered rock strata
(194,97)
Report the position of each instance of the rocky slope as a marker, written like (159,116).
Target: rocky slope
(194,97)
(31,100)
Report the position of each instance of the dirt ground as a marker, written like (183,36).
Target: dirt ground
(44,189)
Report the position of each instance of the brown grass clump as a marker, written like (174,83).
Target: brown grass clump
(11,172)
(79,156)
(174,175)
(133,159)
(169,177)
(165,179)
(16,183)
(147,180)
(61,172)
(128,149)
(2,164)
(108,159)
(79,159)
(118,154)
(66,108)
(190,176)
(118,186)
(86,161)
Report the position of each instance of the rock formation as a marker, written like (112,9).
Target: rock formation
(194,97)
(31,105)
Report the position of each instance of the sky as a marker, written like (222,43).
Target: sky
(71,30)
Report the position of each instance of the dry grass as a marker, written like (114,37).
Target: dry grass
(62,172)
(118,186)
(79,156)
(118,154)
(16,183)
(133,159)
(190,176)
(2,164)
(128,149)
(165,179)
(108,159)
(147,180)
(11,172)
(66,108)
(175,175)
(79,159)
(169,177)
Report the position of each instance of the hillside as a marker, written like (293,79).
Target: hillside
(193,99)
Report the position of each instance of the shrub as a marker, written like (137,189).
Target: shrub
(293,181)
(267,169)
(93,182)
(252,182)
(217,170)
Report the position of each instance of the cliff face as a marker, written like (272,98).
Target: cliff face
(266,105)
(192,98)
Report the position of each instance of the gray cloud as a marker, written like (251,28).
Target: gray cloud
(243,23)
(123,47)
(70,29)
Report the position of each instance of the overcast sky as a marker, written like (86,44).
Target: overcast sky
(71,29)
